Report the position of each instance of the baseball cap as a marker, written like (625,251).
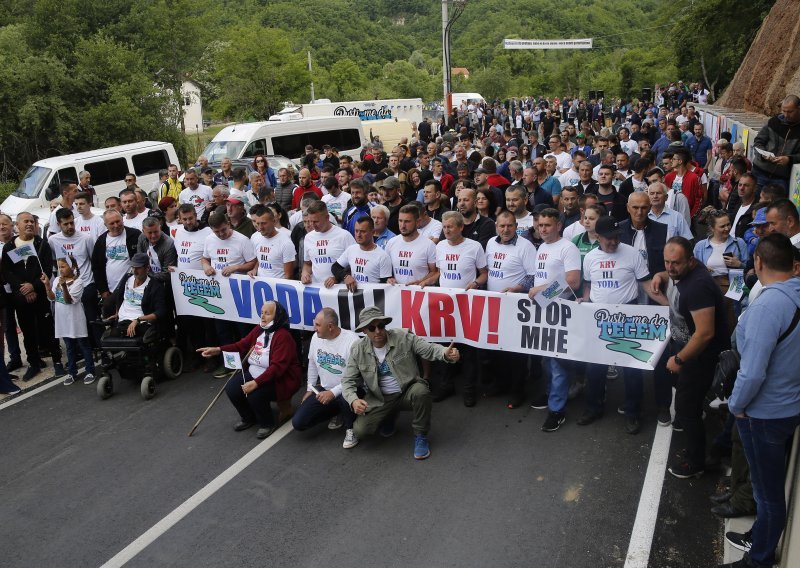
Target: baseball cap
(761,217)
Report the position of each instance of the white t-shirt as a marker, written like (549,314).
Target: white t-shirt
(327,359)
(198,198)
(523,224)
(569,178)
(52,223)
(336,205)
(509,264)
(131,307)
(78,246)
(136,222)
(297,217)
(458,265)
(432,230)
(410,259)
(189,246)
(92,227)
(630,146)
(741,211)
(172,228)
(387,381)
(677,184)
(716,262)
(259,356)
(563,161)
(554,260)
(70,320)
(614,277)
(573,230)
(116,260)
(366,265)
(324,249)
(236,249)
(273,253)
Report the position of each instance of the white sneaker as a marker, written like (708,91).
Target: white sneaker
(716,403)
(350,440)
(68,380)
(88,379)
(336,422)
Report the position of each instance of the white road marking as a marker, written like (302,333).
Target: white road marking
(31,392)
(162,526)
(646,515)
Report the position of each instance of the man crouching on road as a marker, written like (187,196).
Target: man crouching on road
(384,362)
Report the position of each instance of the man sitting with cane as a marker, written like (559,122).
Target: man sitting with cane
(384,361)
(270,371)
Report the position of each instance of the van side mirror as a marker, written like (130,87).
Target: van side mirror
(50,193)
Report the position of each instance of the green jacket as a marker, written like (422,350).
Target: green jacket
(402,346)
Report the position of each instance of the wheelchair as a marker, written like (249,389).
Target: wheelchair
(148,358)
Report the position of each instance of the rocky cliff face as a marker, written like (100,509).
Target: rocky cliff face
(771,68)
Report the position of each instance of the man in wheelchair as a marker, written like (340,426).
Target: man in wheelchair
(137,300)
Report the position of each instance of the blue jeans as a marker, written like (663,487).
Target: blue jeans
(312,412)
(596,390)
(559,385)
(764,443)
(73,344)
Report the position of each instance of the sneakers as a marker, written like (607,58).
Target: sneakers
(685,470)
(388,428)
(68,380)
(15,390)
(553,421)
(540,402)
(470,399)
(676,425)
(58,370)
(588,417)
(88,379)
(740,541)
(30,373)
(421,447)
(222,372)
(336,422)
(621,410)
(350,440)
(612,373)
(717,402)
(664,417)
(242,425)
(633,426)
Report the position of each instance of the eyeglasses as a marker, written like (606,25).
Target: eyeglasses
(260,162)
(376,326)
(128,179)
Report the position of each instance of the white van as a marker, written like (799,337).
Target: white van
(108,167)
(389,131)
(287,136)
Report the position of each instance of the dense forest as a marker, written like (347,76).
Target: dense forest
(80,74)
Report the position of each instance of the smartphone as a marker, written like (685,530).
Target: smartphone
(727,254)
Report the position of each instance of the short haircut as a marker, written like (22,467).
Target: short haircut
(217,219)
(151,222)
(773,191)
(682,154)
(507,213)
(550,212)
(127,192)
(113,198)
(683,243)
(317,207)
(518,189)
(366,219)
(580,153)
(83,195)
(453,216)
(437,186)
(598,208)
(260,209)
(360,183)
(108,212)
(750,176)
(330,315)
(605,167)
(411,209)
(63,214)
(186,208)
(586,197)
(570,188)
(785,209)
(381,209)
(65,185)
(776,252)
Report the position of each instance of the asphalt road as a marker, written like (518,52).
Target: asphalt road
(82,478)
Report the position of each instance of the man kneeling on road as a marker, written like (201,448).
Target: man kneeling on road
(384,362)
(327,358)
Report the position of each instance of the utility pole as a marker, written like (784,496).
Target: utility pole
(445,54)
(311,76)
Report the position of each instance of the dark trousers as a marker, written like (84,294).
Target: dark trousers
(663,381)
(741,484)
(596,390)
(255,407)
(466,368)
(509,371)
(6,385)
(91,310)
(693,382)
(121,330)
(312,412)
(195,332)
(230,331)
(765,443)
(12,339)
(36,322)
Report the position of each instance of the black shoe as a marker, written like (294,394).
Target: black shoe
(685,470)
(742,563)
(13,365)
(720,498)
(575,390)
(470,399)
(728,511)
(58,370)
(443,391)
(740,541)
(265,432)
(540,402)
(633,425)
(243,426)
(553,421)
(30,373)
(676,425)
(588,417)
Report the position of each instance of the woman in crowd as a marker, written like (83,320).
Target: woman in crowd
(169,210)
(282,218)
(486,203)
(270,372)
(261,165)
(525,156)
(415,180)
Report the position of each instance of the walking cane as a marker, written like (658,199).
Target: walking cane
(219,394)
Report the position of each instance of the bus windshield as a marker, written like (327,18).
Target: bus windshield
(215,151)
(33,182)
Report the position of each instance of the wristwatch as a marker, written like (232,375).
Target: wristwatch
(678,359)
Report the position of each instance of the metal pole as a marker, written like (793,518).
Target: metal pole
(445,54)
(310,75)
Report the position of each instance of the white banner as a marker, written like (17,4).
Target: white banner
(622,335)
(585,43)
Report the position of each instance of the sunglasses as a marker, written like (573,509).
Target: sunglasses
(375,326)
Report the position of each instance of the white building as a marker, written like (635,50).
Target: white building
(192,107)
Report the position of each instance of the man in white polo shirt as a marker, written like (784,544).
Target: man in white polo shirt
(323,246)
(364,261)
(413,256)
(614,274)
(195,193)
(556,259)
(511,260)
(274,249)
